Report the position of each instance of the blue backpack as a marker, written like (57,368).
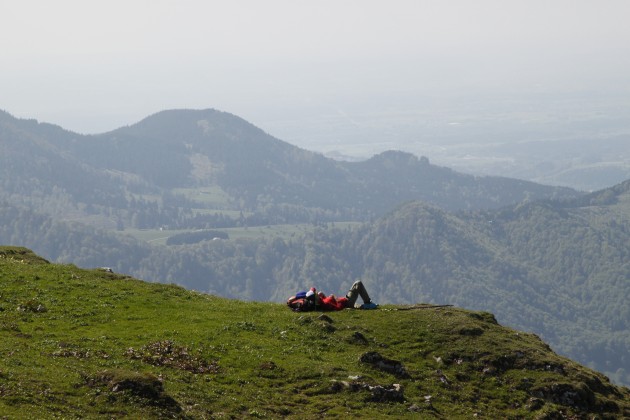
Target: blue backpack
(302,303)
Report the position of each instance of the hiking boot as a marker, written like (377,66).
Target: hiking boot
(370,305)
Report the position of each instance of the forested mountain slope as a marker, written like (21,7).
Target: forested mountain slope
(138,175)
(82,343)
(36,172)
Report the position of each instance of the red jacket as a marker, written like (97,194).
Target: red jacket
(330,303)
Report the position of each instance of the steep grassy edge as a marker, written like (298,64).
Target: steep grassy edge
(78,343)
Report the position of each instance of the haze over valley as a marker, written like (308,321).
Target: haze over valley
(579,139)
(526,89)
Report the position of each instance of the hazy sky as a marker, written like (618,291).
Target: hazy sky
(92,66)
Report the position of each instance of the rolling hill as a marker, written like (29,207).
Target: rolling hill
(148,175)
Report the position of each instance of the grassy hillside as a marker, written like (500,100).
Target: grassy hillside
(87,343)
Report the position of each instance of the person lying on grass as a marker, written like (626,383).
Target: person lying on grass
(314,300)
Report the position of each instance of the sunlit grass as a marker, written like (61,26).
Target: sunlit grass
(86,343)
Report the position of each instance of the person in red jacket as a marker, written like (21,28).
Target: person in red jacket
(332,303)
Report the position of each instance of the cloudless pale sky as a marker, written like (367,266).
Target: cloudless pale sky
(93,66)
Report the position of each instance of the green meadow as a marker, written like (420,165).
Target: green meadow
(79,343)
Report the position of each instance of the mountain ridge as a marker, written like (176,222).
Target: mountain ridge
(209,148)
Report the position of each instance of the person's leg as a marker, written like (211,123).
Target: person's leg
(357,289)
